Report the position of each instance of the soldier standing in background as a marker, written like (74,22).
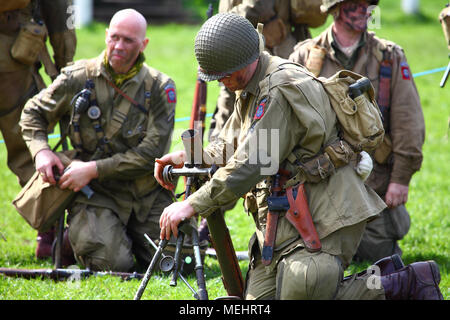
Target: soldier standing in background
(347,44)
(444,17)
(24,26)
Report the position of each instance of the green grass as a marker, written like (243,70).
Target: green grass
(171,50)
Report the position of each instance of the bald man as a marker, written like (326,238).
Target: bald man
(126,122)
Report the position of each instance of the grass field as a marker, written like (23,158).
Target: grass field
(171,51)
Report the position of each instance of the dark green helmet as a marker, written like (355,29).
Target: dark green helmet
(225,43)
(328,4)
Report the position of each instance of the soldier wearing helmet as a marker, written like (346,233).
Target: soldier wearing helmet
(281,99)
(347,44)
(285,23)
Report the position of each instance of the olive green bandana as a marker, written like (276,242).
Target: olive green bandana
(120,78)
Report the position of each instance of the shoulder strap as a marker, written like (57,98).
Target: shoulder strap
(384,87)
(121,111)
(127,97)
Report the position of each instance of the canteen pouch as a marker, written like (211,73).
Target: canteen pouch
(359,118)
(307,12)
(274,32)
(10,5)
(41,203)
(29,43)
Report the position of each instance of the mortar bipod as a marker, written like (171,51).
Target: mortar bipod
(168,263)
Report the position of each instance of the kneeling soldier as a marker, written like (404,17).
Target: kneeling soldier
(280,97)
(122,119)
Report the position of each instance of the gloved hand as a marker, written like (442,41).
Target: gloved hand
(364,166)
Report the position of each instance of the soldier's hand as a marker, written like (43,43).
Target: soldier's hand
(78,174)
(172,216)
(45,160)
(175,159)
(396,195)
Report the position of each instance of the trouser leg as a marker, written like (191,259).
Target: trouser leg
(259,283)
(381,235)
(149,225)
(99,239)
(13,87)
(300,275)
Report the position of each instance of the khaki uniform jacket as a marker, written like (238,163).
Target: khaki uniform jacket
(292,110)
(407,127)
(125,181)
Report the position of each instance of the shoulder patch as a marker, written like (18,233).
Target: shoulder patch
(260,109)
(406,73)
(170,93)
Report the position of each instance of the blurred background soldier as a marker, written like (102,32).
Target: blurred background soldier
(285,24)
(24,27)
(347,44)
(444,17)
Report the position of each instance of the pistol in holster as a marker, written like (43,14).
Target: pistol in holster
(294,202)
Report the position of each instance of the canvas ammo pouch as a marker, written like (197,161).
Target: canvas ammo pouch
(358,115)
(335,155)
(29,43)
(41,203)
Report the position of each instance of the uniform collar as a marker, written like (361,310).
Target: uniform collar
(101,69)
(338,55)
(260,72)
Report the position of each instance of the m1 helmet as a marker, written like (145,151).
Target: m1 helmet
(327,5)
(225,43)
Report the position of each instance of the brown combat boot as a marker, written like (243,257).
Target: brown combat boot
(44,244)
(387,265)
(390,264)
(203,231)
(417,281)
(67,254)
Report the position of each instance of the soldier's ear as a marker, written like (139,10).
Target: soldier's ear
(144,44)
(106,35)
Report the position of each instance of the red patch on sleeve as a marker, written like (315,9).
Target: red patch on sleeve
(406,73)
(171,95)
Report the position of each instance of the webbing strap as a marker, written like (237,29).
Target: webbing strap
(384,88)
(121,111)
